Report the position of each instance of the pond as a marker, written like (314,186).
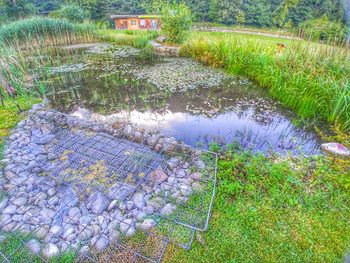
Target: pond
(176,96)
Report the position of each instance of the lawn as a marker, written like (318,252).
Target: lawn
(274,210)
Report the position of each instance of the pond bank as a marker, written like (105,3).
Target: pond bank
(178,96)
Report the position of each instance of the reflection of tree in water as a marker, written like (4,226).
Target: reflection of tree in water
(104,95)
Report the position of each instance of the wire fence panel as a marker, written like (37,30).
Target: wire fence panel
(115,200)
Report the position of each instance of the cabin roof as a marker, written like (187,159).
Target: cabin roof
(133,16)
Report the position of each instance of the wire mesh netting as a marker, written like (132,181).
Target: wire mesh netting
(91,166)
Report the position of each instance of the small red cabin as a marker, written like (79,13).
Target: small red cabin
(134,22)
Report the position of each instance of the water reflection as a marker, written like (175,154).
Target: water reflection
(234,111)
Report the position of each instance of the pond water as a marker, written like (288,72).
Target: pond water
(176,96)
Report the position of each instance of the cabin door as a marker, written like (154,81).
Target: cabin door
(124,24)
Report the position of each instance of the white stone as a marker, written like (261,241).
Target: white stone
(50,250)
(34,246)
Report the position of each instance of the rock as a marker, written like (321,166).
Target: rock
(51,191)
(85,220)
(185,190)
(56,230)
(17,218)
(148,224)
(41,232)
(120,191)
(171,180)
(113,235)
(50,250)
(126,225)
(11,209)
(197,187)
(148,210)
(84,250)
(158,176)
(138,199)
(173,162)
(67,231)
(3,203)
(167,209)
(98,202)
(74,212)
(161,39)
(181,173)
(156,202)
(47,213)
(169,144)
(196,176)
(129,205)
(112,205)
(20,201)
(34,246)
(102,243)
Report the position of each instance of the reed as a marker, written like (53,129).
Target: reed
(310,78)
(41,31)
(22,40)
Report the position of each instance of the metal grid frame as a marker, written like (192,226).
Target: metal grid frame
(171,225)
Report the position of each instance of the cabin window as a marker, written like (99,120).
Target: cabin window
(133,22)
(142,22)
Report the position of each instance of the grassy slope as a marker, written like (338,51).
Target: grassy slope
(268,211)
(310,78)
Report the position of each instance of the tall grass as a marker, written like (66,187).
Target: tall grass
(41,31)
(311,79)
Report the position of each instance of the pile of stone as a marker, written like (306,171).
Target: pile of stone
(59,214)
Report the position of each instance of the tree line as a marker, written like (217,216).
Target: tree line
(259,13)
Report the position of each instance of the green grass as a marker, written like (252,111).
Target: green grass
(15,250)
(135,38)
(10,116)
(310,78)
(274,210)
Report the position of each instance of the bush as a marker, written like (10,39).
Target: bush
(323,29)
(71,12)
(176,21)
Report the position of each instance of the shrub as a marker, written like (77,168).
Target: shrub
(176,21)
(70,12)
(323,29)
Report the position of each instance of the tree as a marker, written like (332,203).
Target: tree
(280,14)
(257,12)
(15,9)
(240,17)
(176,21)
(227,10)
(70,12)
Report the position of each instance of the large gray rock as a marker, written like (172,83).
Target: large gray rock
(11,209)
(120,191)
(102,243)
(98,202)
(158,176)
(138,199)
